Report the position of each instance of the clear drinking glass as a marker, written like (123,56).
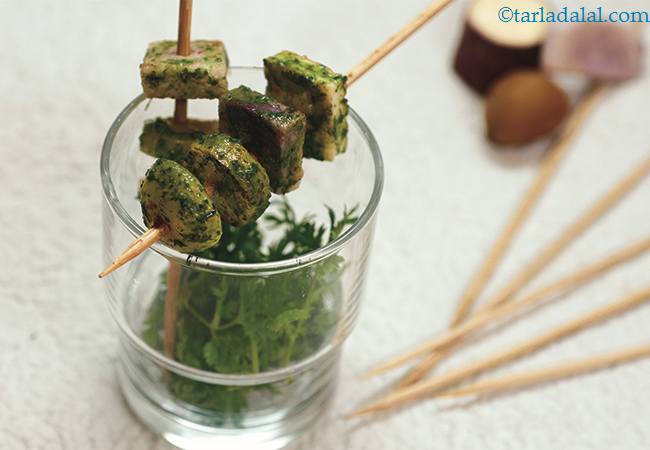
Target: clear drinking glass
(269,389)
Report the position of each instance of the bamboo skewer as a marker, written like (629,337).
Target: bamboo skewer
(180,109)
(169,315)
(556,372)
(588,218)
(394,41)
(443,343)
(424,367)
(479,320)
(546,172)
(150,237)
(428,387)
(183,48)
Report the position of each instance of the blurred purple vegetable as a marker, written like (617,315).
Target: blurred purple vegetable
(601,51)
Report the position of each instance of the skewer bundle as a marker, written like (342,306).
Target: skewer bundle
(505,303)
(486,52)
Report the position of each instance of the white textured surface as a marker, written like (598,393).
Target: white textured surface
(69,67)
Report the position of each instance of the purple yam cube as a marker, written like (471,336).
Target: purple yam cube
(271,131)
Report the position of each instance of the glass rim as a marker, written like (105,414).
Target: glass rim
(135,229)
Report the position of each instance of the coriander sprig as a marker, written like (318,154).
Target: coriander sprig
(240,325)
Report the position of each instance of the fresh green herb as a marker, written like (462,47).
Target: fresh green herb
(244,325)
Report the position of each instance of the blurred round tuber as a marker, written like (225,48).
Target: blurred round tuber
(524,106)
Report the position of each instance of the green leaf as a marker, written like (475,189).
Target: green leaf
(239,325)
(288,318)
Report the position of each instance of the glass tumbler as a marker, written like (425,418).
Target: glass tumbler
(233,354)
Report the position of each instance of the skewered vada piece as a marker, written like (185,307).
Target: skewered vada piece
(201,74)
(237,182)
(171,197)
(165,138)
(271,131)
(177,210)
(239,185)
(318,92)
(217,180)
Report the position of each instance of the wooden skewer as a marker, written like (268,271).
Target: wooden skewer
(546,172)
(424,367)
(446,342)
(169,316)
(559,371)
(180,110)
(550,252)
(183,48)
(150,237)
(428,387)
(394,41)
(483,318)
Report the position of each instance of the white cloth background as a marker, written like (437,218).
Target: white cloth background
(69,67)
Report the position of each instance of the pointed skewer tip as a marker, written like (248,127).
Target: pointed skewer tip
(150,237)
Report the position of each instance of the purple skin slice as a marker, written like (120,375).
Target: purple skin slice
(261,108)
(271,131)
(601,51)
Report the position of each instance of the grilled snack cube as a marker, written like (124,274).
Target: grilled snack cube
(202,74)
(319,93)
(164,138)
(236,182)
(271,131)
(172,198)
